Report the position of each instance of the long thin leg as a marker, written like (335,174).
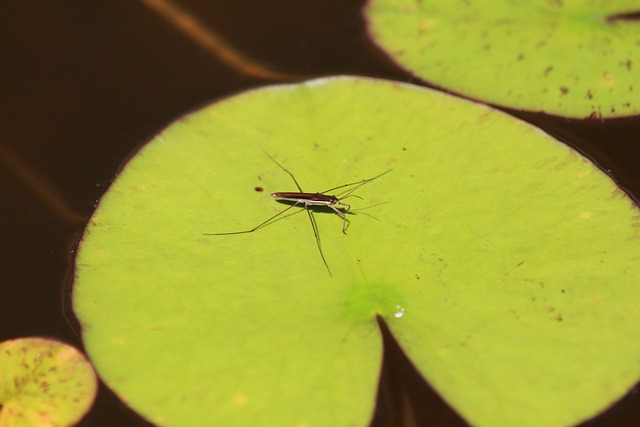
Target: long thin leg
(346,205)
(344,217)
(286,170)
(315,233)
(362,182)
(262,224)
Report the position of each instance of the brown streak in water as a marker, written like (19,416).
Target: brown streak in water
(207,39)
(39,186)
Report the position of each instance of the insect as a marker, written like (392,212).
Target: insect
(301,198)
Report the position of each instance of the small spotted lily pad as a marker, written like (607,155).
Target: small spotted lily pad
(43,383)
(572,58)
(504,263)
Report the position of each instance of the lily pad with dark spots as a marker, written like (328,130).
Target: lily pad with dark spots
(570,58)
(43,383)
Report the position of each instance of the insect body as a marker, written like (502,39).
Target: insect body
(316,199)
(300,198)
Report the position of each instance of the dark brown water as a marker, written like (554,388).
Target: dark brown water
(82,84)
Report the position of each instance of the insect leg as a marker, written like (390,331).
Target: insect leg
(315,233)
(346,205)
(286,170)
(262,224)
(344,217)
(359,183)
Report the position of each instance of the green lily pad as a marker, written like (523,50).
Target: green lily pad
(43,383)
(570,58)
(505,264)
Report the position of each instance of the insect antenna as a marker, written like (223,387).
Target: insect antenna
(349,193)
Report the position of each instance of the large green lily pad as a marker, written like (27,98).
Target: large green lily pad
(571,58)
(43,383)
(505,264)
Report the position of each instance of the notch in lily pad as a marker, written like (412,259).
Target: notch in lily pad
(504,263)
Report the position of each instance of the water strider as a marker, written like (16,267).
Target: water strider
(310,199)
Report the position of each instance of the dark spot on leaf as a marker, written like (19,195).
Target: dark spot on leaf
(631,88)
(589,94)
(562,291)
(417,277)
(487,46)
(404,148)
(559,318)
(594,116)
(630,16)
(259,189)
(607,78)
(520,56)
(617,193)
(564,90)
(520,263)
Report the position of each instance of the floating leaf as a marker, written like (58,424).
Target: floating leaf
(571,58)
(43,383)
(504,263)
